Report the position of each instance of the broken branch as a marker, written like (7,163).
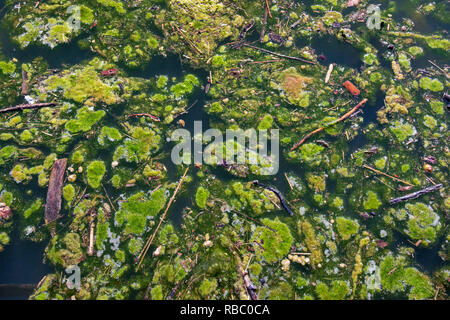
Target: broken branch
(345,116)
(150,240)
(154,118)
(53,202)
(24,82)
(387,175)
(21,107)
(277,54)
(416,194)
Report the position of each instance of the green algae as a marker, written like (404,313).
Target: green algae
(311,242)
(434,85)
(86,118)
(223,211)
(394,277)
(276,243)
(201,197)
(338,291)
(346,227)
(402,130)
(83,86)
(371,202)
(95,173)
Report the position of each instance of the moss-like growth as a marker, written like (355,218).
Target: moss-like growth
(311,153)
(276,243)
(77,157)
(317,183)
(35,207)
(371,202)
(86,118)
(109,134)
(338,291)
(207,287)
(394,277)
(423,223)
(156,293)
(137,208)
(201,197)
(135,246)
(312,242)
(95,172)
(266,122)
(71,254)
(83,84)
(346,227)
(293,84)
(431,84)
(69,193)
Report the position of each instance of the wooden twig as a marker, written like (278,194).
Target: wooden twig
(268,8)
(330,69)
(287,179)
(345,116)
(390,272)
(150,239)
(254,220)
(263,31)
(265,61)
(387,175)
(24,82)
(21,107)
(154,118)
(277,54)
(186,39)
(416,194)
(90,250)
(107,197)
(442,70)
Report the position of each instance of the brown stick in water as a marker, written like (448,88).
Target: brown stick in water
(21,107)
(277,54)
(53,203)
(345,116)
(24,82)
(150,240)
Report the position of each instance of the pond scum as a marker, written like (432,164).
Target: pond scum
(344,241)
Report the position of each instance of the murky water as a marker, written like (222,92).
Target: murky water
(21,262)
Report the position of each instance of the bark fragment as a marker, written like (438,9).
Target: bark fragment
(53,203)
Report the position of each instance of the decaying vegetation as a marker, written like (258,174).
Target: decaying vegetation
(85,146)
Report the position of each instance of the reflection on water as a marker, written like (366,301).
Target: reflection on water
(334,50)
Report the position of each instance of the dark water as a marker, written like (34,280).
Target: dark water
(21,262)
(335,51)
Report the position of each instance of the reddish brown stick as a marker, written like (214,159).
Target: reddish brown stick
(345,116)
(154,118)
(268,8)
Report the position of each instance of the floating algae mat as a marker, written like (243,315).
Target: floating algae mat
(115,175)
